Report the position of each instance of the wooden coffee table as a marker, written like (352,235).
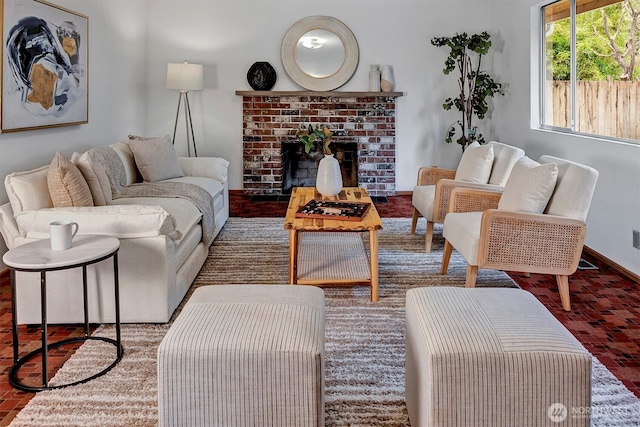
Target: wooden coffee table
(332,251)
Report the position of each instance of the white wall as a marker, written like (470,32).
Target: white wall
(615,209)
(116,91)
(227,36)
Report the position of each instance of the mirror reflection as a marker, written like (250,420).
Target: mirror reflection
(320,53)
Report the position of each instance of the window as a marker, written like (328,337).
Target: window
(591,67)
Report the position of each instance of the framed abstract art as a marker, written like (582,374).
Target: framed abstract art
(45,66)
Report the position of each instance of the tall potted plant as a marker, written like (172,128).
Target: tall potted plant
(476,85)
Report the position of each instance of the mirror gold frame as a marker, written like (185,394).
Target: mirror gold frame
(341,75)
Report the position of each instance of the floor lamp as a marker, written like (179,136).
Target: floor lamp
(185,77)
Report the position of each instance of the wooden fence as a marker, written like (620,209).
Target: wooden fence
(608,108)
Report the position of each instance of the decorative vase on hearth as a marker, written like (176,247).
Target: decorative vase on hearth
(329,178)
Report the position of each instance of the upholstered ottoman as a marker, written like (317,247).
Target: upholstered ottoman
(244,355)
(491,357)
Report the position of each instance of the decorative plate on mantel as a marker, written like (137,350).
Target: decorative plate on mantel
(261,76)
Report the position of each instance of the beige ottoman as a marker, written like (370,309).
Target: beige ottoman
(491,357)
(244,355)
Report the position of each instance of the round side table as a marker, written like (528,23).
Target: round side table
(38,257)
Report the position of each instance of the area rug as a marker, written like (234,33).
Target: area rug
(364,370)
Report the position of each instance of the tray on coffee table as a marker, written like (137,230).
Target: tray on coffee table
(326,209)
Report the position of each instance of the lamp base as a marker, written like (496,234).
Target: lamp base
(188,123)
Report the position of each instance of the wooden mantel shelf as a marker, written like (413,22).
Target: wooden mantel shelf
(337,94)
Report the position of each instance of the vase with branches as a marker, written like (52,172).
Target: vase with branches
(476,86)
(329,176)
(310,137)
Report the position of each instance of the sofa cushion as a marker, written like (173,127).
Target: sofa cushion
(475,164)
(123,222)
(156,159)
(67,186)
(209,167)
(184,213)
(529,186)
(422,199)
(212,186)
(463,228)
(28,190)
(186,218)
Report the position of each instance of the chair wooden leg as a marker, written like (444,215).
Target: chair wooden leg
(428,237)
(446,256)
(563,287)
(414,220)
(472,275)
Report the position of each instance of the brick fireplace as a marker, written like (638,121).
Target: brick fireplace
(364,120)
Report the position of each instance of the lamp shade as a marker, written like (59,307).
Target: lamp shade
(185,76)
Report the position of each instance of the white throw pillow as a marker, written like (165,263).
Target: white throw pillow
(156,159)
(529,186)
(475,164)
(505,157)
(28,190)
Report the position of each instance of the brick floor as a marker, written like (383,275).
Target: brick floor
(605,315)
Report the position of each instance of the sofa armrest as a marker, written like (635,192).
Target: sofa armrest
(207,167)
(121,221)
(8,226)
(431,175)
(520,241)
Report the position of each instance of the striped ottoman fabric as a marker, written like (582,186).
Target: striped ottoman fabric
(244,355)
(491,357)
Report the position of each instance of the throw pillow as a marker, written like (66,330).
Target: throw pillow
(28,190)
(156,159)
(96,178)
(505,157)
(131,170)
(529,186)
(475,164)
(67,186)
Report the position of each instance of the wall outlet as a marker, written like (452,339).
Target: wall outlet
(636,239)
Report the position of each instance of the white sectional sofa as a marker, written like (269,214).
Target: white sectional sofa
(162,246)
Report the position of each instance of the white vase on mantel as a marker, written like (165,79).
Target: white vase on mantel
(386,79)
(329,178)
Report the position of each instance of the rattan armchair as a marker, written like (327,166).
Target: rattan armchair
(546,243)
(431,193)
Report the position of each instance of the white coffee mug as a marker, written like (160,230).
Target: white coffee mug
(62,232)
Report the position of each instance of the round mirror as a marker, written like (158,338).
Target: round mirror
(320,53)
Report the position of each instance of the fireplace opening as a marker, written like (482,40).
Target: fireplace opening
(299,169)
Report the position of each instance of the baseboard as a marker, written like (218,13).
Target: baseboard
(617,267)
(403,193)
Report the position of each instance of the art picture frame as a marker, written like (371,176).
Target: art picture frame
(45,66)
